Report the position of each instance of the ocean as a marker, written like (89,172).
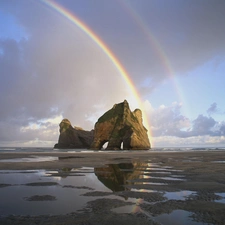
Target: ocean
(156,149)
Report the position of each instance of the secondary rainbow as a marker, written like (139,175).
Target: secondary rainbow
(155,45)
(75,20)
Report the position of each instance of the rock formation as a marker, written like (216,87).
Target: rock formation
(121,126)
(73,137)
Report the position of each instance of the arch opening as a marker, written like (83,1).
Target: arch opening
(105,145)
(120,146)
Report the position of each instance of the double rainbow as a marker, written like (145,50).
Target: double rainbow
(75,20)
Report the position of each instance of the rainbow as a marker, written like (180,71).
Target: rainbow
(75,20)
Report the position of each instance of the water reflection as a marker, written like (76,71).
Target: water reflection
(66,186)
(116,177)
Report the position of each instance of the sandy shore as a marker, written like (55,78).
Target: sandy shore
(202,174)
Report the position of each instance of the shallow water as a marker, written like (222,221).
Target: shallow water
(218,161)
(178,195)
(52,192)
(222,200)
(32,159)
(66,190)
(164,178)
(177,217)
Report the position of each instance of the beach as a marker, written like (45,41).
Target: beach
(132,187)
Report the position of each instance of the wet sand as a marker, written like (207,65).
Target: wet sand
(155,178)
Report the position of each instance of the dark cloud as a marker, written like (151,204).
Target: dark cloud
(58,67)
(179,29)
(203,125)
(212,109)
(190,33)
(222,129)
(168,121)
(177,34)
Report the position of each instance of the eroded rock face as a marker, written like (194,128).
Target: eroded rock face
(73,137)
(120,125)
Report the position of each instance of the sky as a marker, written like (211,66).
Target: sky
(173,52)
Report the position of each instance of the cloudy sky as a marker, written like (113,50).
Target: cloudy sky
(172,50)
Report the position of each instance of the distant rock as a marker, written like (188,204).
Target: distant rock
(121,126)
(73,137)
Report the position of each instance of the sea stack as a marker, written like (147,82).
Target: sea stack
(121,127)
(73,137)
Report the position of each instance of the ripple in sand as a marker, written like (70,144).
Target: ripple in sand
(40,198)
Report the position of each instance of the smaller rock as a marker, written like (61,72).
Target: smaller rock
(73,137)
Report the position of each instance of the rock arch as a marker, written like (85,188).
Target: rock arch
(120,125)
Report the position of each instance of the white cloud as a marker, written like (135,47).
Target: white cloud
(170,128)
(167,120)
(212,109)
(55,120)
(43,124)
(195,141)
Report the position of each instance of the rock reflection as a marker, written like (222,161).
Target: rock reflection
(115,176)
